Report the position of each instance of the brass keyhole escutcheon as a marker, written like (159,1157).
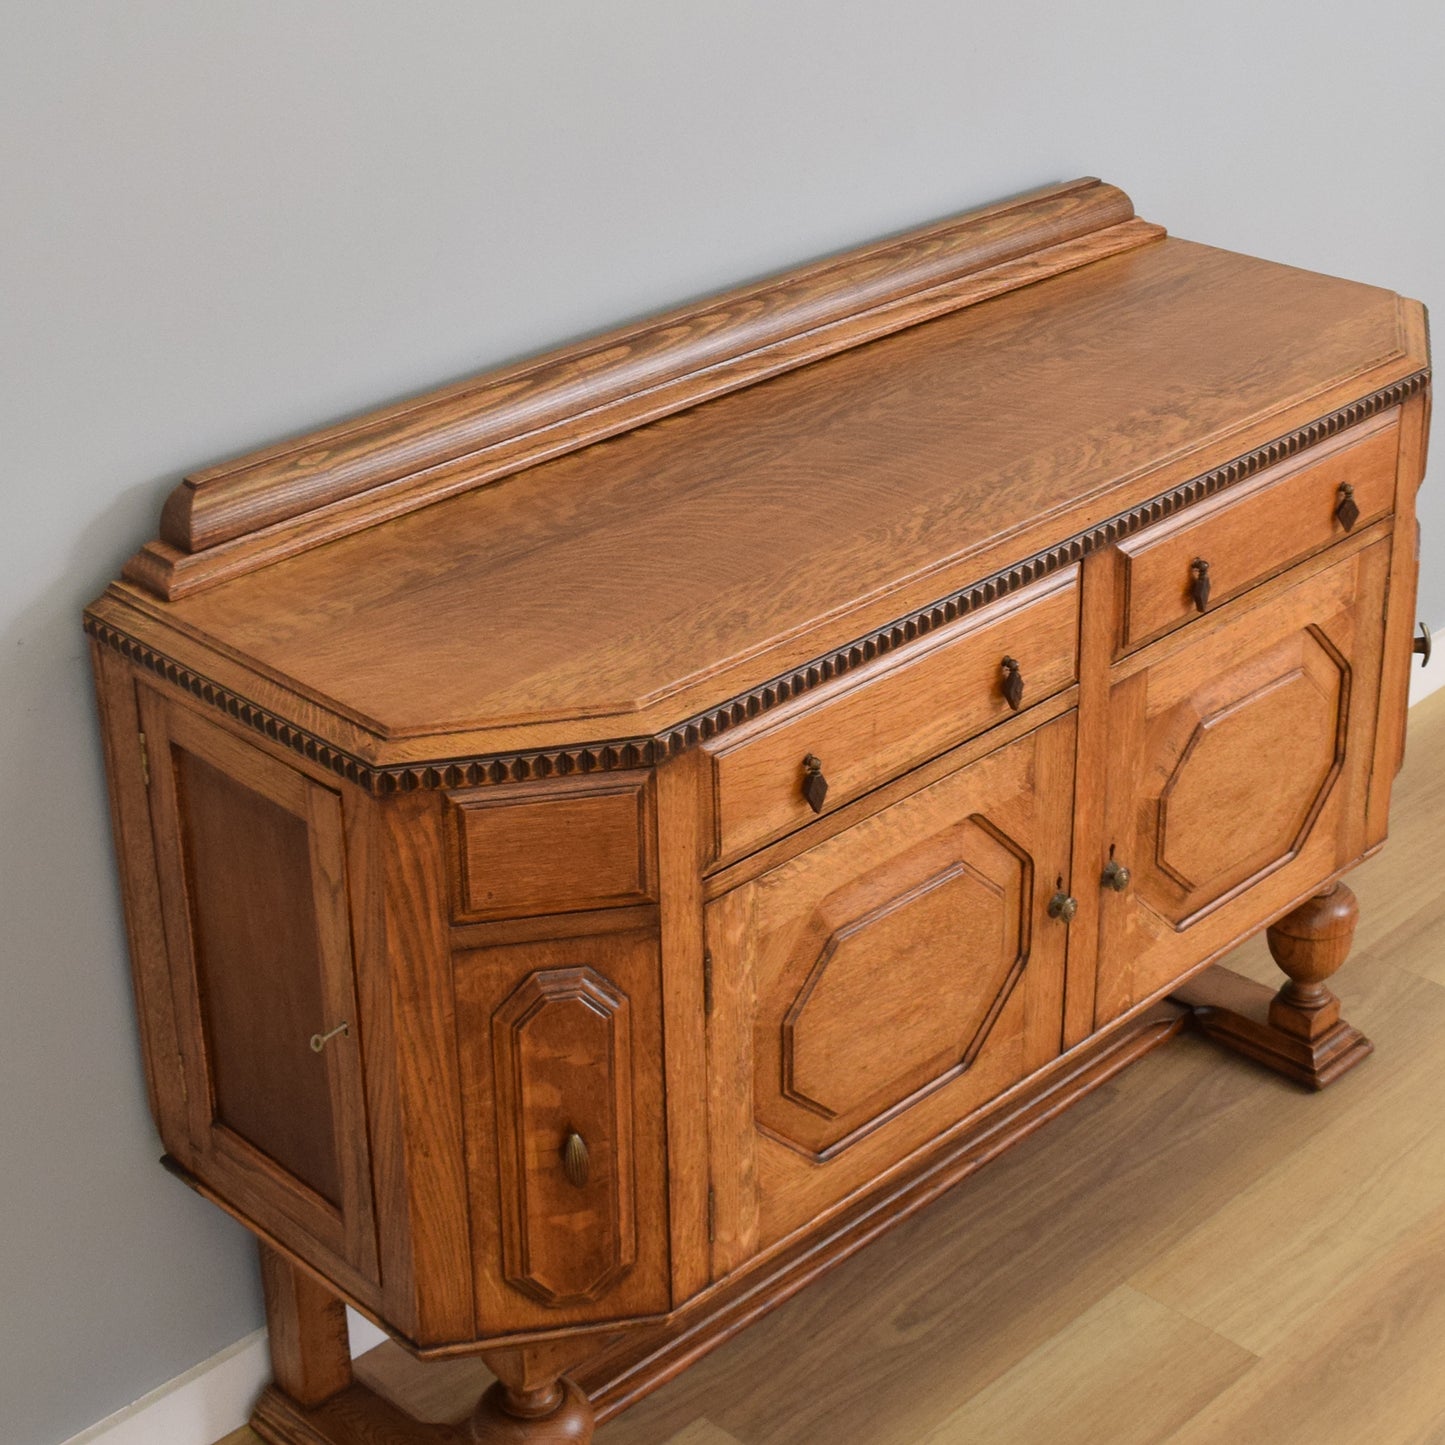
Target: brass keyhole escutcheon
(576,1161)
(815,785)
(1115,876)
(1199,583)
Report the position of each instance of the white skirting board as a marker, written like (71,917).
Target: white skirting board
(214,1398)
(1425,680)
(210,1400)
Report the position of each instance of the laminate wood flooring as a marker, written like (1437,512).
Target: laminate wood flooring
(1200,1252)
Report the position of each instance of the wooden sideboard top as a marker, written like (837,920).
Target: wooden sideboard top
(629,586)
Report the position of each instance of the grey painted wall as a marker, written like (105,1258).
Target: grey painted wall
(220,223)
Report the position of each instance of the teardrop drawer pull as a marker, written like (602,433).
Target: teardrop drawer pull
(815,785)
(576,1163)
(1347,509)
(1199,585)
(1013,684)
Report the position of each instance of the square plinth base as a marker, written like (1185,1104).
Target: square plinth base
(1235,1011)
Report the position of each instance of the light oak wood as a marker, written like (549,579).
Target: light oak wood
(508,864)
(925,925)
(589,910)
(1280,517)
(1241,763)
(254,893)
(725,503)
(564,1038)
(888,718)
(615,382)
(306,1331)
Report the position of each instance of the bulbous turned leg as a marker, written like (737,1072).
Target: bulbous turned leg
(1309,945)
(555,1414)
(1298,1031)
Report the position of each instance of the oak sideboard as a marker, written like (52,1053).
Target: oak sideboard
(604,840)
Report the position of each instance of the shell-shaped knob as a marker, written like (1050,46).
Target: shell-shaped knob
(576,1163)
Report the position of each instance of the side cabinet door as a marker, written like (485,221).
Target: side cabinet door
(561,1053)
(1240,755)
(875,990)
(251,863)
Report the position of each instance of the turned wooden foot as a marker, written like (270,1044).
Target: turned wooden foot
(315,1401)
(554,1415)
(1298,1031)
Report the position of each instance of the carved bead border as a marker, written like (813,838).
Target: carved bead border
(643,752)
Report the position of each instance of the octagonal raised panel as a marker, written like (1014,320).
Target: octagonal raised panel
(1259,761)
(562,1044)
(898,977)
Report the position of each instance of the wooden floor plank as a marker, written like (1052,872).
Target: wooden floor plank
(1402,890)
(702,1432)
(1375,1167)
(1364,1368)
(438,1391)
(1069,1390)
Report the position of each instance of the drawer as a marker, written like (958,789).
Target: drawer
(1256,530)
(893,715)
(552,848)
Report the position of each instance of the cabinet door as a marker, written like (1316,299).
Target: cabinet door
(251,865)
(561,1052)
(873,991)
(1239,757)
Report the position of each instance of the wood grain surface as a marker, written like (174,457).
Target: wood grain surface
(1241,1260)
(504,419)
(718,542)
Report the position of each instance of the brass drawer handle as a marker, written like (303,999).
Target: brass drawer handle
(1062,907)
(1115,876)
(1013,684)
(815,785)
(319,1041)
(1422,645)
(576,1162)
(1347,509)
(1199,586)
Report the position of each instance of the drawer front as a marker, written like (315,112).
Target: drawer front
(1177,570)
(563,1107)
(874,990)
(893,716)
(552,848)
